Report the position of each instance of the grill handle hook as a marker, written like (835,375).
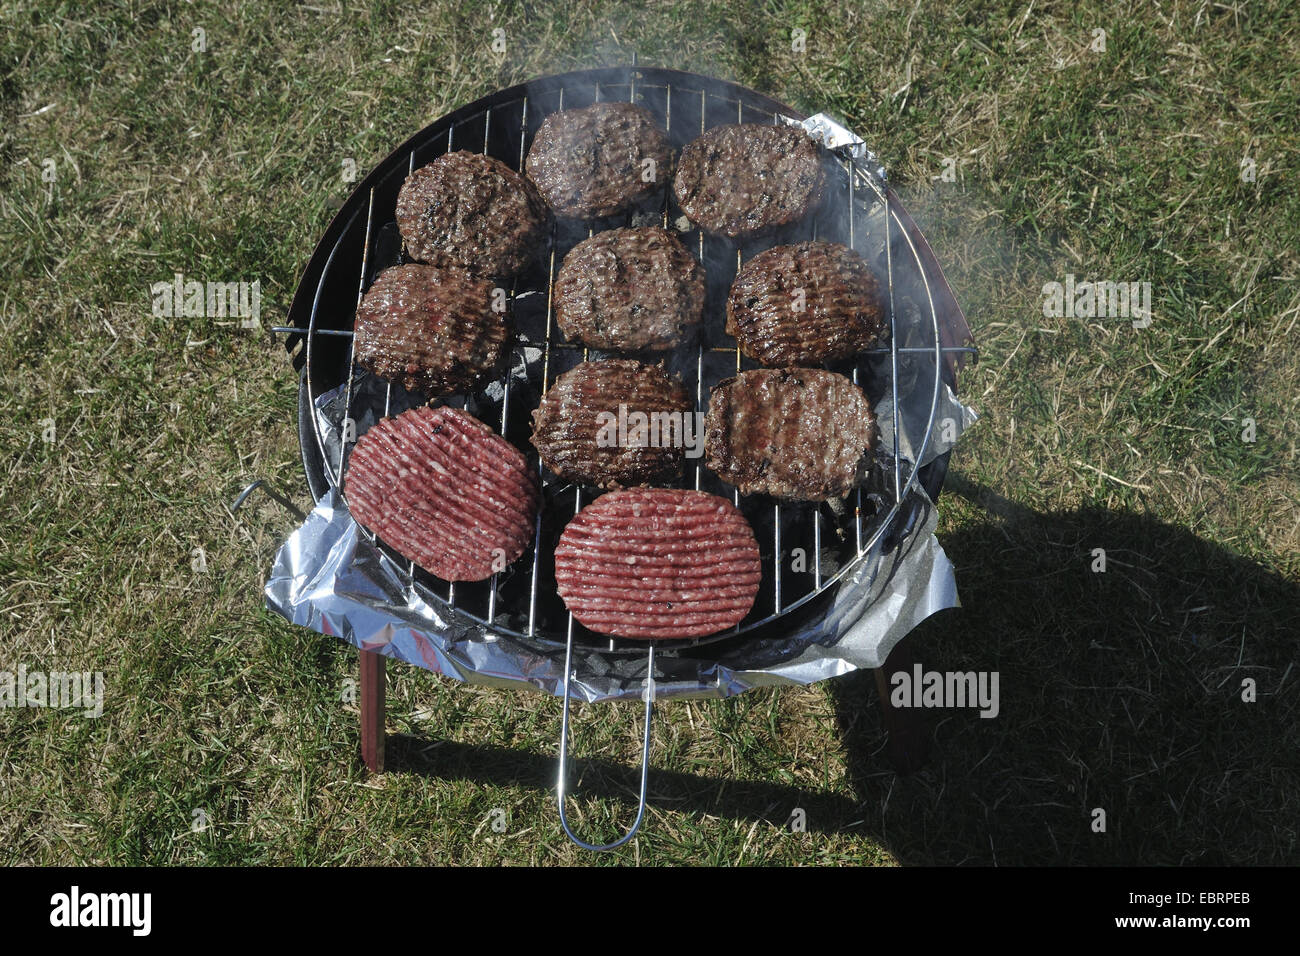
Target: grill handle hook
(284,502)
(564,752)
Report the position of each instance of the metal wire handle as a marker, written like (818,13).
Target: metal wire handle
(561,785)
(262,483)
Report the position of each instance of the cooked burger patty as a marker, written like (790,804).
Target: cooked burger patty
(805,304)
(473,212)
(576,426)
(797,433)
(746,179)
(444,491)
(658,563)
(632,289)
(432,330)
(598,160)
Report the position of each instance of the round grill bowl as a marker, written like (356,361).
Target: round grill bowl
(806,548)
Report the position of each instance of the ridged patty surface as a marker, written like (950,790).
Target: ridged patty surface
(804,304)
(658,563)
(798,433)
(599,160)
(473,212)
(431,330)
(571,426)
(745,179)
(444,491)
(630,289)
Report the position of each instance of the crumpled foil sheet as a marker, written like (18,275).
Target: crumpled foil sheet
(329,575)
(842,140)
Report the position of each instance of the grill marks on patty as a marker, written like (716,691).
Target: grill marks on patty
(567,425)
(444,491)
(744,179)
(658,563)
(630,289)
(473,212)
(796,433)
(804,304)
(589,162)
(432,330)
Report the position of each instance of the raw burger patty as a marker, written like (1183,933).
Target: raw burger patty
(658,562)
(805,304)
(432,330)
(592,161)
(797,433)
(444,491)
(746,179)
(632,289)
(473,212)
(578,444)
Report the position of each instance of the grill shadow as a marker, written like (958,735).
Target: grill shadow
(594,778)
(1119,690)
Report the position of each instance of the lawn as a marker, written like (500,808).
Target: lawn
(139,140)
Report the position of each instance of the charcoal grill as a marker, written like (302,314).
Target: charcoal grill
(929,343)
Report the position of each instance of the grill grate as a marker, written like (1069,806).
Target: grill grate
(663,93)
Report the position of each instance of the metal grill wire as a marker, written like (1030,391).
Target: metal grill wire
(857,174)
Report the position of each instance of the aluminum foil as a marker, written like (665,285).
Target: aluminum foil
(329,577)
(840,139)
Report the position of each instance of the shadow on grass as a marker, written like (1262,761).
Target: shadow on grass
(594,778)
(1119,690)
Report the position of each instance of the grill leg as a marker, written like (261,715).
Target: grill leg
(373,694)
(908,745)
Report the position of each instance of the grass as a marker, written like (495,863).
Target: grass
(1119,690)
